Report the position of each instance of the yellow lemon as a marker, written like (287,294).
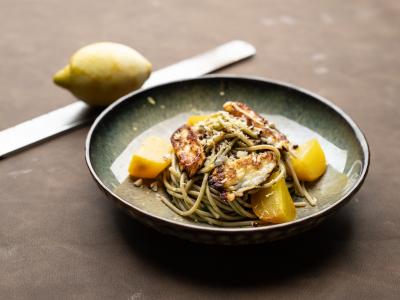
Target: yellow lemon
(100,73)
(310,162)
(194,119)
(274,204)
(153,156)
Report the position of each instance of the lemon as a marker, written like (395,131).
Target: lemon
(310,162)
(100,73)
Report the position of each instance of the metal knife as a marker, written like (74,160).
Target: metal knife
(79,113)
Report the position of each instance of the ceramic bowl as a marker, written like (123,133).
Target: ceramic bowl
(295,111)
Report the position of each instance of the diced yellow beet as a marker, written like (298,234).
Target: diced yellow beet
(195,119)
(310,162)
(274,204)
(151,159)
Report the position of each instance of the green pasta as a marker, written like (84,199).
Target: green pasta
(196,199)
(195,195)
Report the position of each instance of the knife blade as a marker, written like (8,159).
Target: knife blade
(79,113)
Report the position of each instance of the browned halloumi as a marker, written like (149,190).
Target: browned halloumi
(242,173)
(239,109)
(273,135)
(188,149)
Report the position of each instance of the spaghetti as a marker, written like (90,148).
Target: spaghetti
(203,182)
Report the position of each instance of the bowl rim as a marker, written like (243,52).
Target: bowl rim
(193,226)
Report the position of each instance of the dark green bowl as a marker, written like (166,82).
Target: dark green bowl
(125,119)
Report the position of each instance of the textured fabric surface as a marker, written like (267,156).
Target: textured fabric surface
(60,238)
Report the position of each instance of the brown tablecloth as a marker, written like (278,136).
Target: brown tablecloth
(61,238)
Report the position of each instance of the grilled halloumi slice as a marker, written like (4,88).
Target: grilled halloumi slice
(239,109)
(272,135)
(243,173)
(188,149)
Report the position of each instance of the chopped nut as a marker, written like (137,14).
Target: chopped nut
(151,100)
(300,203)
(138,182)
(154,186)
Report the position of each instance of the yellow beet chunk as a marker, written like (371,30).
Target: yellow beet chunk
(151,159)
(274,204)
(195,119)
(310,163)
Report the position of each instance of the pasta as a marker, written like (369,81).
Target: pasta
(221,161)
